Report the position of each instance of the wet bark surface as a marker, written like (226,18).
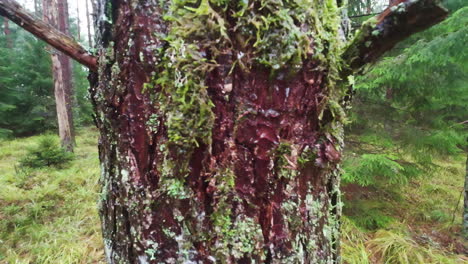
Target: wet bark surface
(263,190)
(263,187)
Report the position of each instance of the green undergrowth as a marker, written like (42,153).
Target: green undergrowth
(394,245)
(393,217)
(47,153)
(49,215)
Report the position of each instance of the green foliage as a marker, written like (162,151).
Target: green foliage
(371,168)
(27,101)
(367,215)
(373,219)
(26,87)
(401,223)
(47,153)
(49,215)
(353,247)
(82,110)
(411,106)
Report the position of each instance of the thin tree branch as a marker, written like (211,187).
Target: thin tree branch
(12,10)
(364,15)
(381,33)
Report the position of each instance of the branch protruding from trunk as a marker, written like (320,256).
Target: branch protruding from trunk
(12,10)
(379,34)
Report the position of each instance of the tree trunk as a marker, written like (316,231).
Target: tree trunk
(36,7)
(465,205)
(7,32)
(221,124)
(230,154)
(6,27)
(78,22)
(56,13)
(88,23)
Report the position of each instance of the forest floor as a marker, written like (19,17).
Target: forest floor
(50,215)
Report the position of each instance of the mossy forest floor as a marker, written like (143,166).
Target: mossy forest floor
(50,215)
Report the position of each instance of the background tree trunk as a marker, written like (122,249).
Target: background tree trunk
(37,8)
(78,34)
(7,32)
(465,205)
(56,14)
(88,23)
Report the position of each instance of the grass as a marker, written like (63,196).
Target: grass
(50,215)
(414,223)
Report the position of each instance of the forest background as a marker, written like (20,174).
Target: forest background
(404,172)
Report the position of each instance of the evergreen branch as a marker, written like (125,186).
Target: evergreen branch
(13,11)
(379,34)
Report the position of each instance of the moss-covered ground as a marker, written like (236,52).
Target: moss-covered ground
(50,215)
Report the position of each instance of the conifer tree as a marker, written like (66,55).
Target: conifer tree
(26,87)
(415,97)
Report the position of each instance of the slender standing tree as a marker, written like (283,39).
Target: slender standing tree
(465,204)
(55,12)
(221,123)
(36,7)
(7,32)
(6,27)
(88,24)
(78,34)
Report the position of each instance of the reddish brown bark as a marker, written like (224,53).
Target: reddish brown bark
(282,207)
(62,42)
(277,219)
(56,14)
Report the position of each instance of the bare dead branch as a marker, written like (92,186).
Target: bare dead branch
(381,33)
(12,10)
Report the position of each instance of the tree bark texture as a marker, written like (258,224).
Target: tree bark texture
(213,150)
(56,14)
(221,130)
(399,21)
